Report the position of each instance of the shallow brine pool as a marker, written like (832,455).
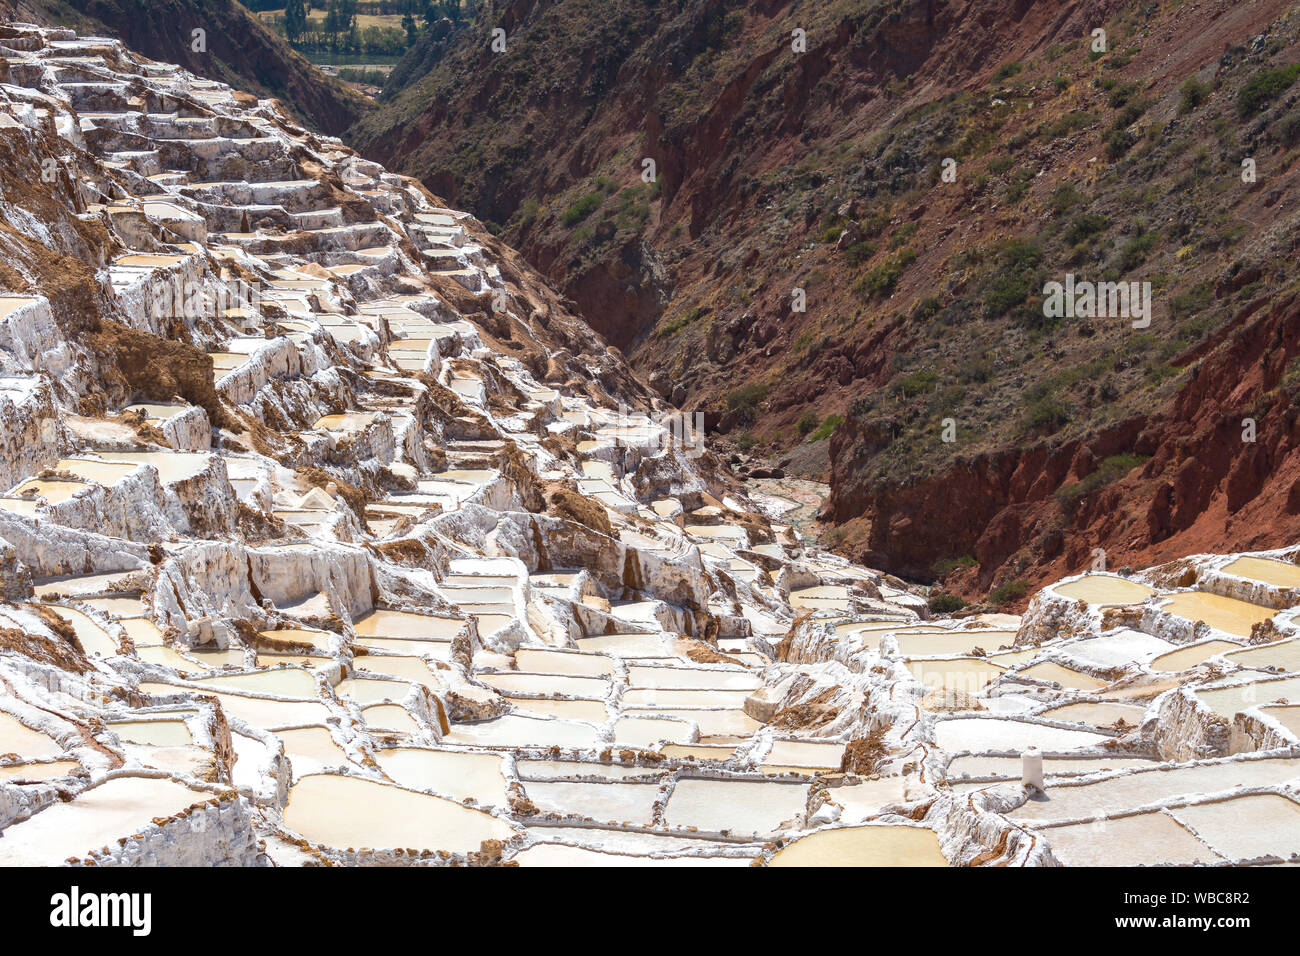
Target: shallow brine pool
(340,811)
(872,845)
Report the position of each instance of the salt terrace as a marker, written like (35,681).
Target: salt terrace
(409,588)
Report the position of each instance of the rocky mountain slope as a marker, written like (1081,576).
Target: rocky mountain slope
(824,171)
(236,49)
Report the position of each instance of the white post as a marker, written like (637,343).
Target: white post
(1031,773)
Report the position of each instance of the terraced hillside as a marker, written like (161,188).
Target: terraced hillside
(235,48)
(328,536)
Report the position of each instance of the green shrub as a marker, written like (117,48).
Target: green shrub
(883,279)
(946,603)
(831,229)
(675,325)
(1007,70)
(943,566)
(807,422)
(1192,93)
(1119,142)
(1069,123)
(1046,414)
(860,252)
(583,208)
(1085,225)
(1287,130)
(1014,278)
(827,428)
(902,234)
(1064,198)
(1111,469)
(917,383)
(745,400)
(1135,250)
(528,211)
(1011,591)
(1263,87)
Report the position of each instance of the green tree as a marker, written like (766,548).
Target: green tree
(295,20)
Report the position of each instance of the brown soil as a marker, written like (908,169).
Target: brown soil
(577,507)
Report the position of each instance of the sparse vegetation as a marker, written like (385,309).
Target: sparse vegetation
(1263,87)
(945,603)
(745,400)
(827,428)
(582,208)
(1006,593)
(1111,469)
(1191,95)
(883,279)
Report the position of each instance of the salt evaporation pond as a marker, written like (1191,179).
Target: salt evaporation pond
(562,854)
(991,733)
(412,669)
(517,730)
(806,753)
(36,772)
(94,639)
(366,690)
(1129,841)
(607,802)
(1283,655)
(668,677)
(384,623)
(1264,824)
(1098,713)
(1104,589)
(742,807)
(461,775)
(991,765)
(563,662)
(682,697)
(154,733)
(280,682)
(635,731)
(520,683)
(542,769)
(1226,699)
(18,738)
(969,674)
(871,845)
(953,643)
(311,749)
(94,818)
(1070,801)
(341,811)
(1277,573)
(389,717)
(1227,614)
(592,711)
(1287,715)
(1191,655)
(266,714)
